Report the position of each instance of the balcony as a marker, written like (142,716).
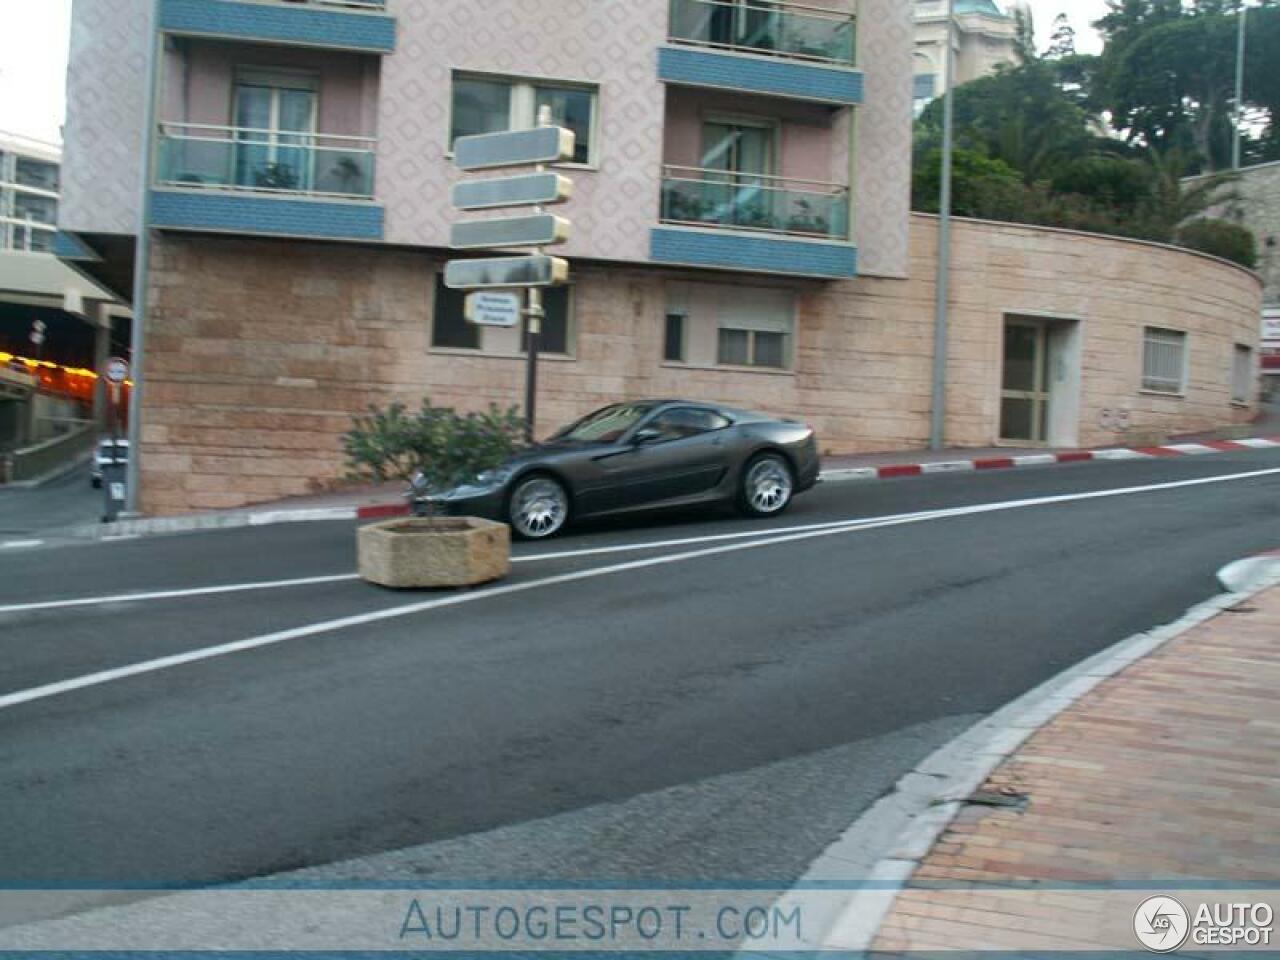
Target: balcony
(778,49)
(357,25)
(274,182)
(717,218)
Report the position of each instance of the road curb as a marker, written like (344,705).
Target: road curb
(885,845)
(251,518)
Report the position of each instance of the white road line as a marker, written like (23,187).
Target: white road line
(171,594)
(18,544)
(328,626)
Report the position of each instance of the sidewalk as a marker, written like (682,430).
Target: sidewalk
(1166,774)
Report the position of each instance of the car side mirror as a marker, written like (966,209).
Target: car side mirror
(646,435)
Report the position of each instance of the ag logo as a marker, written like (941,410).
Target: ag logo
(1161,924)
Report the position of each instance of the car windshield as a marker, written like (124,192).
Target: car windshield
(605,425)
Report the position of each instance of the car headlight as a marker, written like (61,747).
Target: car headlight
(487,478)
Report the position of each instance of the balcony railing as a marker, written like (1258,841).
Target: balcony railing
(267,161)
(760,26)
(692,196)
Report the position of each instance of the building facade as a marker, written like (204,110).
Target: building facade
(28,193)
(984,35)
(741,233)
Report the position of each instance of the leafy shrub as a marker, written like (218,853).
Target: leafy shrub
(1224,239)
(446,447)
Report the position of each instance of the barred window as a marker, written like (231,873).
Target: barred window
(1164,360)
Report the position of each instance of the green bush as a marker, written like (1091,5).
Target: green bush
(1222,238)
(445,447)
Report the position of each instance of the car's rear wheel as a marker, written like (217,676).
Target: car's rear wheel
(538,507)
(767,485)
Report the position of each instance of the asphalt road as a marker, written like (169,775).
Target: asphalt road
(623,707)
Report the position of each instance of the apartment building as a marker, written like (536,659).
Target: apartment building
(28,193)
(741,227)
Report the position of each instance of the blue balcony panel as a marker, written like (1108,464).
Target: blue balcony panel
(69,246)
(753,73)
(756,253)
(275,216)
(281,23)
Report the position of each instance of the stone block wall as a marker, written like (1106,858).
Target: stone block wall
(261,351)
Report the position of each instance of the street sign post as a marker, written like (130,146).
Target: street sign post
(117,370)
(535,270)
(489,309)
(515,148)
(114,479)
(544,188)
(537,230)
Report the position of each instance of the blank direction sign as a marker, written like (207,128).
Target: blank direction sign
(537,145)
(537,270)
(512,191)
(534,230)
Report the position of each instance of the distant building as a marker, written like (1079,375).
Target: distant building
(28,193)
(985,36)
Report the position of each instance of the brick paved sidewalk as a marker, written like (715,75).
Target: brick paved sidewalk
(1167,773)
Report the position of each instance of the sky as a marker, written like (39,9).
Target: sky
(33,57)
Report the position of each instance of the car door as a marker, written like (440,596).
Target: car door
(681,453)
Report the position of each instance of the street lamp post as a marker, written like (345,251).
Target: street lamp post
(938,417)
(1241,23)
(141,268)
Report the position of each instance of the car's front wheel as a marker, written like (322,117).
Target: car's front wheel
(538,507)
(767,485)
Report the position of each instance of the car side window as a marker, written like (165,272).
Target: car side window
(681,422)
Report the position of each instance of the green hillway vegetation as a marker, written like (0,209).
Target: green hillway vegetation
(1105,143)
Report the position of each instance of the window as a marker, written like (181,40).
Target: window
(276,115)
(739,326)
(451,329)
(483,104)
(686,422)
(34,207)
(673,338)
(751,348)
(1164,360)
(36,173)
(1242,383)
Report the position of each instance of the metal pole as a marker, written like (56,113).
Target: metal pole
(938,417)
(533,326)
(533,320)
(142,268)
(1242,21)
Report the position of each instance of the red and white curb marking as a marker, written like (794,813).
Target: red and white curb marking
(1044,459)
(126,529)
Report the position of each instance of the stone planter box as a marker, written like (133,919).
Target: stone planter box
(440,552)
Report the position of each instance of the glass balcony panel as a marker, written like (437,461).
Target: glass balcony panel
(269,161)
(760,26)
(716,198)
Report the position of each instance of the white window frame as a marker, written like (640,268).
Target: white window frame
(524,111)
(1146,380)
(1243,378)
(751,364)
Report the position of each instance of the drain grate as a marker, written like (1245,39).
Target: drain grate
(1004,799)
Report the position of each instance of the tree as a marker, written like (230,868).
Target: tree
(1063,41)
(1167,73)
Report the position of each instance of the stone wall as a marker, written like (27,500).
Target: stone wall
(259,352)
(1259,210)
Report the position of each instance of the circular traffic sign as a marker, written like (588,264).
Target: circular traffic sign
(117,370)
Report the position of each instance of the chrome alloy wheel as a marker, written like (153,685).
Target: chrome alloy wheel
(768,485)
(539,507)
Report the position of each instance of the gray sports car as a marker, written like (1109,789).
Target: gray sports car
(644,455)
